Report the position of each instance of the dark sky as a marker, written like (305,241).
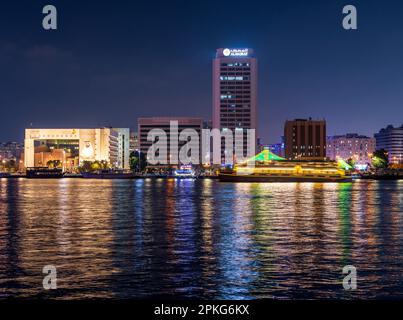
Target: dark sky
(110,62)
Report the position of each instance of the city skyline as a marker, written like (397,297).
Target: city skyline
(201,158)
(89,72)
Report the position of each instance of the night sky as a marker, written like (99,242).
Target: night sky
(110,62)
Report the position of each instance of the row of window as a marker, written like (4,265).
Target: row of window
(235,71)
(234,78)
(235,64)
(308,147)
(245,73)
(234,111)
(236,125)
(233,115)
(235,120)
(309,154)
(240,85)
(240,92)
(235,106)
(235,97)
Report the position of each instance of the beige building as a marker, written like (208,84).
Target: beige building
(74,146)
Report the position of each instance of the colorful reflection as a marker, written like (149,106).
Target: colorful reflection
(200,238)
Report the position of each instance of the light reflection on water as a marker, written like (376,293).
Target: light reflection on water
(200,239)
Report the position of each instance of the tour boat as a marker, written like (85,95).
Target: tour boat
(267,167)
(109,174)
(185,171)
(44,173)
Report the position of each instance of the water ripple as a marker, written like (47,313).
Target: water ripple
(200,239)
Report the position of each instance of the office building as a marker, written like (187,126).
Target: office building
(145,125)
(305,139)
(235,91)
(134,142)
(74,146)
(391,139)
(351,146)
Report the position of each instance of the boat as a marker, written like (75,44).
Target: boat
(109,174)
(210,176)
(44,173)
(72,175)
(267,167)
(153,176)
(383,176)
(16,175)
(185,172)
(4,175)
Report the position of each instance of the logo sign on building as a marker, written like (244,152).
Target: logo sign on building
(235,52)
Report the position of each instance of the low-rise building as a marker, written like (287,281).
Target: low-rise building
(11,150)
(74,146)
(351,146)
(145,125)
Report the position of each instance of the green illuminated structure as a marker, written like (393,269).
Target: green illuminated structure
(266,155)
(344,165)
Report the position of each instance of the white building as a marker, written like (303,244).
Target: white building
(354,146)
(74,146)
(391,139)
(134,142)
(123,158)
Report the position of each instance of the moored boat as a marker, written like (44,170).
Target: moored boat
(185,172)
(4,175)
(44,173)
(109,174)
(233,177)
(266,167)
(382,177)
(72,175)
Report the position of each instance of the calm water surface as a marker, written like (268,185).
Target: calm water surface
(200,239)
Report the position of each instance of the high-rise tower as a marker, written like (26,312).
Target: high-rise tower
(235,91)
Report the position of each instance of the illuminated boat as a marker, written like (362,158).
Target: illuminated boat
(109,174)
(4,175)
(185,171)
(267,167)
(44,173)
